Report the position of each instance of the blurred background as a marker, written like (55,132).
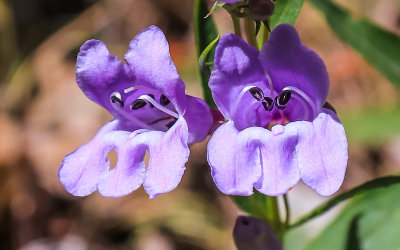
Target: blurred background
(44,116)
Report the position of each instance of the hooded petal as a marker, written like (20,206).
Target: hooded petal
(168,154)
(99,73)
(289,63)
(236,65)
(83,169)
(148,57)
(199,119)
(234,166)
(322,153)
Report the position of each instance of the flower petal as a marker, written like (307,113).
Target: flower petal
(199,119)
(234,165)
(148,57)
(99,73)
(236,65)
(322,153)
(289,63)
(129,172)
(168,154)
(83,169)
(280,171)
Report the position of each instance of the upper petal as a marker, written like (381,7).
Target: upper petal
(199,119)
(168,154)
(290,63)
(236,65)
(99,73)
(322,153)
(83,169)
(149,58)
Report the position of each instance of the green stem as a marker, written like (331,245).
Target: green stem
(250,32)
(236,25)
(273,216)
(287,208)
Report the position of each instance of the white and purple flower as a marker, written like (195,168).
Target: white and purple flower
(152,113)
(278,130)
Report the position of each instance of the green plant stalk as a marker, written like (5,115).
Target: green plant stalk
(250,32)
(236,25)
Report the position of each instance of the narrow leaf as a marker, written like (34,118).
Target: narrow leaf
(215,7)
(286,11)
(377,183)
(205,32)
(204,55)
(378,46)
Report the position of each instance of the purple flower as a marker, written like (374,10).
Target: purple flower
(152,113)
(278,131)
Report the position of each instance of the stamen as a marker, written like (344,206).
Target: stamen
(164,100)
(304,97)
(271,87)
(171,123)
(129,90)
(137,104)
(268,103)
(158,106)
(282,99)
(242,92)
(152,96)
(116,98)
(257,93)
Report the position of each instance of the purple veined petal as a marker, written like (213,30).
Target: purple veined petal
(236,65)
(289,63)
(199,119)
(234,167)
(322,153)
(168,154)
(149,58)
(99,73)
(83,169)
(276,157)
(129,172)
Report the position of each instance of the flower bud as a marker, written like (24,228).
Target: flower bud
(260,10)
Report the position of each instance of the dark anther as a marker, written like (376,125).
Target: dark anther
(139,103)
(116,98)
(171,123)
(152,96)
(164,100)
(282,99)
(268,103)
(257,93)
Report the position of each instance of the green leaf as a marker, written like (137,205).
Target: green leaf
(370,185)
(378,46)
(378,225)
(205,32)
(286,11)
(204,55)
(217,5)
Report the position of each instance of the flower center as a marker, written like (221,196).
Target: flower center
(160,118)
(281,115)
